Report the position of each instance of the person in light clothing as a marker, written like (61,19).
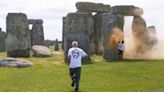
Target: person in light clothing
(121,49)
(75,55)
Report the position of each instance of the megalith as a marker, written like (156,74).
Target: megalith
(152,36)
(18,35)
(63,31)
(98,34)
(79,27)
(139,32)
(37,32)
(127,10)
(112,27)
(92,7)
(56,45)
(2,40)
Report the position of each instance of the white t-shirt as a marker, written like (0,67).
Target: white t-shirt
(121,46)
(76,55)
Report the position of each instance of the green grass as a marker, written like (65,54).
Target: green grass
(52,75)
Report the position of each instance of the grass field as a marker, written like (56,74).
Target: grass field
(52,75)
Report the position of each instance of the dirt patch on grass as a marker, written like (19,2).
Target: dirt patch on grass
(57,53)
(58,63)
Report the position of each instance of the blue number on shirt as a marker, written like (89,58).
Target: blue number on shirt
(75,54)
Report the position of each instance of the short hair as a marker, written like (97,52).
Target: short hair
(74,43)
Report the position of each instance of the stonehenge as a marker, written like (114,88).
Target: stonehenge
(97,27)
(18,35)
(2,40)
(100,33)
(36,33)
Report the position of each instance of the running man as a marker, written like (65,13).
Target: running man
(75,55)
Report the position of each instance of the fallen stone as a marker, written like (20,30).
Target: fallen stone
(41,51)
(15,62)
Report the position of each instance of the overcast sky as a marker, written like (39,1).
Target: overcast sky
(52,11)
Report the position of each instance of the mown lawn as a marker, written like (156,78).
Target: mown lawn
(52,75)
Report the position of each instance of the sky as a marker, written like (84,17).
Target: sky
(52,11)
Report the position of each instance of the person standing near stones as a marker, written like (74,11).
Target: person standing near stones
(121,49)
(75,55)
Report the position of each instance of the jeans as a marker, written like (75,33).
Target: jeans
(75,74)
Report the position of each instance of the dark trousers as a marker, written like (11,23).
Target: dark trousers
(75,74)
(120,54)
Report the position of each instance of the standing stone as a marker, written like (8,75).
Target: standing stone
(152,36)
(99,50)
(18,35)
(139,34)
(37,34)
(2,40)
(79,27)
(56,45)
(127,10)
(63,31)
(112,27)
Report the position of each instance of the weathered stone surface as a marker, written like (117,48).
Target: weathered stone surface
(41,51)
(15,62)
(92,7)
(98,34)
(63,31)
(139,34)
(111,28)
(56,45)
(79,27)
(35,21)
(37,33)
(104,27)
(18,35)
(152,36)
(127,10)
(2,40)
